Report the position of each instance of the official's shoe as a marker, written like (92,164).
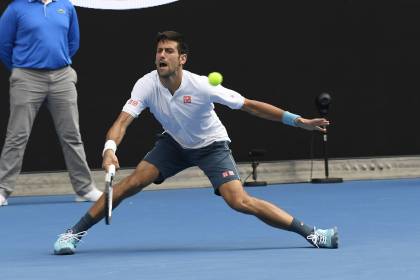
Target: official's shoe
(3,200)
(92,196)
(67,242)
(324,238)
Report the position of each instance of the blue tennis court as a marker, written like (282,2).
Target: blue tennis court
(191,234)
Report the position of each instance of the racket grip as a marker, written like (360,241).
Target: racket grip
(111,169)
(110,174)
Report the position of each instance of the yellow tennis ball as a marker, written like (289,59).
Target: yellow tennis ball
(215,78)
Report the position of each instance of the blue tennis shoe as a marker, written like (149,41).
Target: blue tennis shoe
(324,238)
(67,242)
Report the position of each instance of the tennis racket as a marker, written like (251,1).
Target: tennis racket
(109,177)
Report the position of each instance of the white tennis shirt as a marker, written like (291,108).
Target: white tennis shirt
(188,116)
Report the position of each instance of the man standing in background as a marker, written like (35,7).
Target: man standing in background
(38,39)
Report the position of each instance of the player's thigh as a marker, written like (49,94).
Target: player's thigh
(217,163)
(167,156)
(144,174)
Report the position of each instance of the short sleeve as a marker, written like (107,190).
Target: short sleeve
(139,96)
(228,97)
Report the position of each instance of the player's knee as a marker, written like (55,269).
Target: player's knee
(136,182)
(241,203)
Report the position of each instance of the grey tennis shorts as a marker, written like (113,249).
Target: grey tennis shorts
(215,160)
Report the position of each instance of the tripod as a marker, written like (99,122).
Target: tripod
(327,179)
(323,102)
(253,154)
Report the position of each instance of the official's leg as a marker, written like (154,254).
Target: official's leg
(62,104)
(27,92)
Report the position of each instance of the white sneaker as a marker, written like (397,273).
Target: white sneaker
(3,201)
(93,196)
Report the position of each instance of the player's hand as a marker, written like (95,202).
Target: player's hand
(108,159)
(318,124)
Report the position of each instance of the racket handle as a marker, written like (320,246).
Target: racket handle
(110,174)
(111,169)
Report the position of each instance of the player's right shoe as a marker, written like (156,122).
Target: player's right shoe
(67,242)
(324,238)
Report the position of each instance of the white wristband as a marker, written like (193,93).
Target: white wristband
(109,145)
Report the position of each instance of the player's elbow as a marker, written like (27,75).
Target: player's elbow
(248,106)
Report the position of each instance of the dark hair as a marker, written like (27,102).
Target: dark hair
(173,36)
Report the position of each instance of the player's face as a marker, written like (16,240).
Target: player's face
(168,60)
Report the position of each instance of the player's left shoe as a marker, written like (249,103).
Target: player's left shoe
(67,242)
(324,238)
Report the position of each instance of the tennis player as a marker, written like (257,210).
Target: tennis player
(183,102)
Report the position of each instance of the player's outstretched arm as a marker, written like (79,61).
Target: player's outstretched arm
(113,139)
(270,112)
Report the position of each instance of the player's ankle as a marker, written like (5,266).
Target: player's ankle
(85,223)
(300,228)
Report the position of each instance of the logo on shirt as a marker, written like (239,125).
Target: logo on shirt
(61,11)
(228,173)
(133,102)
(187,99)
